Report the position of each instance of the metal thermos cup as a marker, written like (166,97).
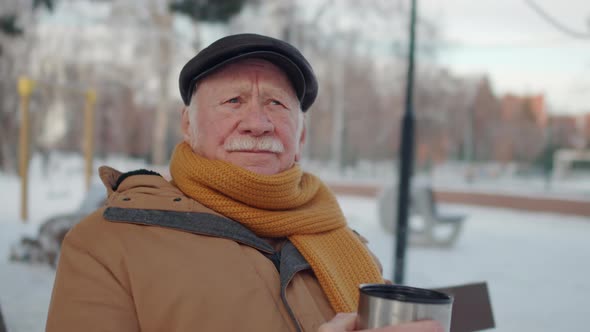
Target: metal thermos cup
(383,305)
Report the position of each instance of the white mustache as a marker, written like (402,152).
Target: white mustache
(248,143)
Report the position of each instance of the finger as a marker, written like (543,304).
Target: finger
(340,322)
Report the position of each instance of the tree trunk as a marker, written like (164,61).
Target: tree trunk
(164,30)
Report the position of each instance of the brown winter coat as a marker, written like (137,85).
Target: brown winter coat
(155,260)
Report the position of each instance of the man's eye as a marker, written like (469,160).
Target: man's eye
(233,100)
(276,102)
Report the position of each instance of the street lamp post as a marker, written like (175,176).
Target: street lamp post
(89,135)
(25,89)
(406,158)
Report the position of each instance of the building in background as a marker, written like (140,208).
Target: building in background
(522,129)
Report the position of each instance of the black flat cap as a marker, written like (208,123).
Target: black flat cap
(234,47)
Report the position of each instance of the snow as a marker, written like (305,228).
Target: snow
(452,176)
(535,264)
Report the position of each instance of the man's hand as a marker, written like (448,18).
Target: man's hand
(347,322)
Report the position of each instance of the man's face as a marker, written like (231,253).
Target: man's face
(247,114)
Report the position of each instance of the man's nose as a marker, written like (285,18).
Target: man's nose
(255,121)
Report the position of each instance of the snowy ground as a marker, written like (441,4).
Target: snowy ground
(536,265)
(452,177)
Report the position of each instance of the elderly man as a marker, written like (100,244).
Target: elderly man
(241,239)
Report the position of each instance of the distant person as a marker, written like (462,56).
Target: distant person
(241,239)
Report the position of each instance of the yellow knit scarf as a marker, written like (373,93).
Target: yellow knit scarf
(290,204)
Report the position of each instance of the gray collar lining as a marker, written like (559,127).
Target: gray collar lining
(194,222)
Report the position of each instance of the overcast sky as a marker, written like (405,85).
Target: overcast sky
(519,50)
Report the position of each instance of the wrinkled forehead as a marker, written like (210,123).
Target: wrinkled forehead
(250,69)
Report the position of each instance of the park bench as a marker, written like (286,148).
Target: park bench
(427,225)
(46,246)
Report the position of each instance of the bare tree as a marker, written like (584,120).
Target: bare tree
(163,23)
(17,23)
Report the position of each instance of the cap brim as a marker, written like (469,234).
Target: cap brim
(293,72)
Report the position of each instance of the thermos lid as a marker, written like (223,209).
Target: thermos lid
(405,293)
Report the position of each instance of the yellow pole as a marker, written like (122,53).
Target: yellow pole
(89,134)
(25,89)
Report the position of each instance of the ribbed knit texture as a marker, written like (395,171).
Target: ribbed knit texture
(290,204)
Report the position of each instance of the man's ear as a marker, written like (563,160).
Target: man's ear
(185,124)
(301,140)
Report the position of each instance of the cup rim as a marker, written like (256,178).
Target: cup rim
(405,293)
